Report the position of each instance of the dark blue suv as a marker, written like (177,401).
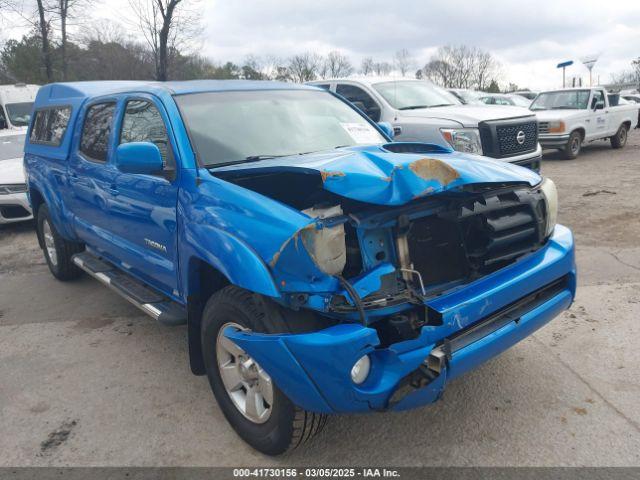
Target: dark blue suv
(319,266)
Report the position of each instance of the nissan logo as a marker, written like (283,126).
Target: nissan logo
(520,137)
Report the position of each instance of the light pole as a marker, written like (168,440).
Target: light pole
(563,66)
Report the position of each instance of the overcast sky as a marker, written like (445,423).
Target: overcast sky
(528,37)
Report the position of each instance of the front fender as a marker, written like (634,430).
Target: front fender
(236,260)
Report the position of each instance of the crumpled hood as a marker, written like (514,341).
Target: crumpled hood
(11,171)
(468,115)
(376,175)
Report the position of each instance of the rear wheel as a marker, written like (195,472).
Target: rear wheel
(57,251)
(619,140)
(574,145)
(252,403)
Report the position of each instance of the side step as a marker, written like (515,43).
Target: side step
(150,302)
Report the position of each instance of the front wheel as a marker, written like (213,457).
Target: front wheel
(57,251)
(251,402)
(619,140)
(573,147)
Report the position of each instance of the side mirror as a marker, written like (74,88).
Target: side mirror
(139,157)
(599,106)
(386,128)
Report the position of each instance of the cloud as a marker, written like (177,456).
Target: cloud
(528,38)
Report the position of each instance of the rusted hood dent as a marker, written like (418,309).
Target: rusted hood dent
(375,175)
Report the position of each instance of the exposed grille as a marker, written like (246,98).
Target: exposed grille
(504,228)
(508,138)
(477,237)
(516,139)
(9,189)
(543,127)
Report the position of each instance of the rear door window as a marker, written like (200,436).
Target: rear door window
(360,99)
(50,125)
(142,122)
(96,131)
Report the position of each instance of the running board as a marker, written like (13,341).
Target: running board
(155,305)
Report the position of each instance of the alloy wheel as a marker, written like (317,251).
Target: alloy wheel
(248,386)
(49,243)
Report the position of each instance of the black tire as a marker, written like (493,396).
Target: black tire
(619,140)
(574,145)
(62,267)
(288,426)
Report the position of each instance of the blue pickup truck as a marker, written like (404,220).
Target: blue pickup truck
(319,266)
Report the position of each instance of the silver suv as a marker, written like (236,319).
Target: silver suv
(420,111)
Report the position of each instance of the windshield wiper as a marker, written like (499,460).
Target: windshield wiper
(413,107)
(565,107)
(416,107)
(250,158)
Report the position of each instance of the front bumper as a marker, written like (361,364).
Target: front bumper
(553,141)
(532,161)
(313,369)
(14,207)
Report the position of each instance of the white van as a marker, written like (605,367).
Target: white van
(16,103)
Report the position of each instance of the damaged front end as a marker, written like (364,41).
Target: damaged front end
(407,247)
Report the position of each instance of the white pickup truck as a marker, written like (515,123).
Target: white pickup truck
(570,117)
(419,111)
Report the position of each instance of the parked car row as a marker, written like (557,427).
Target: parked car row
(16,104)
(509,127)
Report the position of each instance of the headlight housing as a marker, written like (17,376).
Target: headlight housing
(463,139)
(556,126)
(550,193)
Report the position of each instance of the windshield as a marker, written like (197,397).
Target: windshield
(562,100)
(468,97)
(409,95)
(11,147)
(234,127)
(520,101)
(19,113)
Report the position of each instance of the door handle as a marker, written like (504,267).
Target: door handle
(74,175)
(113,190)
(397,130)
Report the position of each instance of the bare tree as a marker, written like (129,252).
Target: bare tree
(403,61)
(366,66)
(439,71)
(382,68)
(104,31)
(65,10)
(335,65)
(36,14)
(304,67)
(461,67)
(167,25)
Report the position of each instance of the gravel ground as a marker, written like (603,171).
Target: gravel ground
(85,379)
